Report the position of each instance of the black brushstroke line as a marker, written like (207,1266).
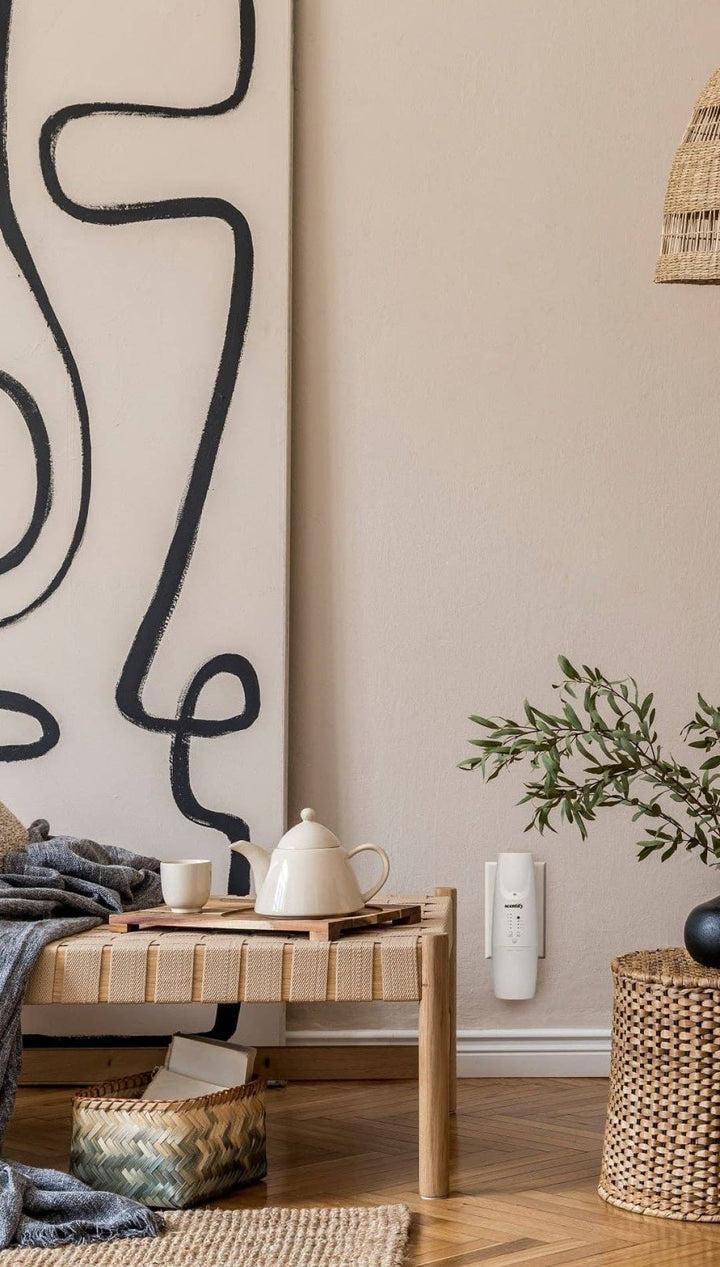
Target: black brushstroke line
(37,431)
(11,702)
(15,241)
(236,666)
(185,725)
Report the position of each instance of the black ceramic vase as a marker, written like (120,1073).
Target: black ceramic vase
(702,934)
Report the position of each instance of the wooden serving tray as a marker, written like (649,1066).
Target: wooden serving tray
(237,915)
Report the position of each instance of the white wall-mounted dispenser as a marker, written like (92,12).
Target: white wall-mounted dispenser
(514,923)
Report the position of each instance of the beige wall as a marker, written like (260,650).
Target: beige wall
(506,439)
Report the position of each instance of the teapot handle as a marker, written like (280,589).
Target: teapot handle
(386,867)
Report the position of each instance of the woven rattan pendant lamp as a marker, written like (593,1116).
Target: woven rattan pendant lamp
(691,222)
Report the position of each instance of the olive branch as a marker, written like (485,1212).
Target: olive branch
(603,750)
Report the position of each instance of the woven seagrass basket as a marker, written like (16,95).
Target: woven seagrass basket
(12,833)
(690,250)
(661,1153)
(168,1153)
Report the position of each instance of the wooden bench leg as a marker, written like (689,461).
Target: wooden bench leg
(452,1071)
(433,1072)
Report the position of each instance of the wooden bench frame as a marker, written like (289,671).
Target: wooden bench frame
(437,1032)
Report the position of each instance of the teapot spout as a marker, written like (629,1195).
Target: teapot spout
(258,858)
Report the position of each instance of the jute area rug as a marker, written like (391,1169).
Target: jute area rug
(246,1238)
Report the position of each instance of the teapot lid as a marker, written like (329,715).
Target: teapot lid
(309,834)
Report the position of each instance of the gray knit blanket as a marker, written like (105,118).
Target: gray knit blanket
(55,887)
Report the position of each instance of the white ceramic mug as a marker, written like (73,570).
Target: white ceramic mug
(186,884)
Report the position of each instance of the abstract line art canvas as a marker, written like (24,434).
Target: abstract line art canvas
(145,158)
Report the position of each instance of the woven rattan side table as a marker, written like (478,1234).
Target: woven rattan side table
(661,1153)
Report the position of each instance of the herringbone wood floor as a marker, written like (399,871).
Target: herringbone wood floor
(526,1159)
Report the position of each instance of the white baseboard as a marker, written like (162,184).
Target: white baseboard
(492,1053)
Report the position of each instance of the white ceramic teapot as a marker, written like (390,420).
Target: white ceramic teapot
(309,874)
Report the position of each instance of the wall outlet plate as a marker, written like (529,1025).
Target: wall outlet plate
(490,873)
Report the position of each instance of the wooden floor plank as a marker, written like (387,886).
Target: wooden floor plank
(525,1163)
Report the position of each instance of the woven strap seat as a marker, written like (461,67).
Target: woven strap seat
(101,966)
(661,1152)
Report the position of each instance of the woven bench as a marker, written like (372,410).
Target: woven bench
(381,964)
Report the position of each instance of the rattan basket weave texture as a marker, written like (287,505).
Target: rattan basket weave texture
(690,250)
(12,833)
(661,1153)
(168,1153)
